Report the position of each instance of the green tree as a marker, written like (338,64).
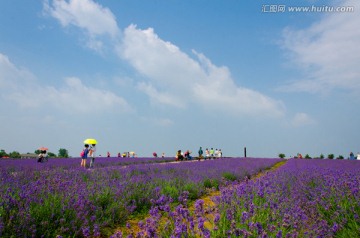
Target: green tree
(52,155)
(307,156)
(37,152)
(63,153)
(331,156)
(3,153)
(321,156)
(281,155)
(14,154)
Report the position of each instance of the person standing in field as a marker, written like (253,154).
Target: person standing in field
(84,155)
(40,157)
(212,152)
(179,156)
(207,153)
(92,155)
(216,153)
(352,156)
(200,152)
(219,153)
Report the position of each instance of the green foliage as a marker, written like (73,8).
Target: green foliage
(14,155)
(48,212)
(63,153)
(170,190)
(321,156)
(281,155)
(3,153)
(193,190)
(229,176)
(331,156)
(104,199)
(52,155)
(307,156)
(340,157)
(211,183)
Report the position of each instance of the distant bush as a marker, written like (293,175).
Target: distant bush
(52,155)
(331,156)
(321,156)
(340,157)
(229,176)
(281,155)
(14,155)
(307,156)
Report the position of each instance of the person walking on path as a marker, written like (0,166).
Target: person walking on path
(92,154)
(84,155)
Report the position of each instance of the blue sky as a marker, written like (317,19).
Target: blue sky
(159,75)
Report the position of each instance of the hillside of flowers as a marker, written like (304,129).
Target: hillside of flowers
(303,198)
(60,199)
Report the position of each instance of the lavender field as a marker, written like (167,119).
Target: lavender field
(60,199)
(73,163)
(303,198)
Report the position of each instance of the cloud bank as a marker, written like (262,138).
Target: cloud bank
(328,52)
(21,87)
(87,15)
(170,76)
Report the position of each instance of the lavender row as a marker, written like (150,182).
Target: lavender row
(88,203)
(16,165)
(303,198)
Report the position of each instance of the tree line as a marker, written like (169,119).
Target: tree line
(307,156)
(63,153)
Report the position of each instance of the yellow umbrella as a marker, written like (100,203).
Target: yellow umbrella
(90,141)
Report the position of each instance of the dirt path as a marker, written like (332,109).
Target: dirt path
(209,206)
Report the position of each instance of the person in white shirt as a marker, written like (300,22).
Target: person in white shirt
(92,154)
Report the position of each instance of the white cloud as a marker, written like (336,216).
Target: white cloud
(328,52)
(159,97)
(87,15)
(302,119)
(172,77)
(187,80)
(11,76)
(74,97)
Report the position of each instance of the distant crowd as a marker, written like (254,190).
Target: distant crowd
(209,154)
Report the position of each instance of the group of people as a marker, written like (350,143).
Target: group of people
(180,156)
(217,153)
(209,154)
(352,156)
(89,151)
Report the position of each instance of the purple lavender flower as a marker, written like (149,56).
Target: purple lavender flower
(217,218)
(201,221)
(86,231)
(335,227)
